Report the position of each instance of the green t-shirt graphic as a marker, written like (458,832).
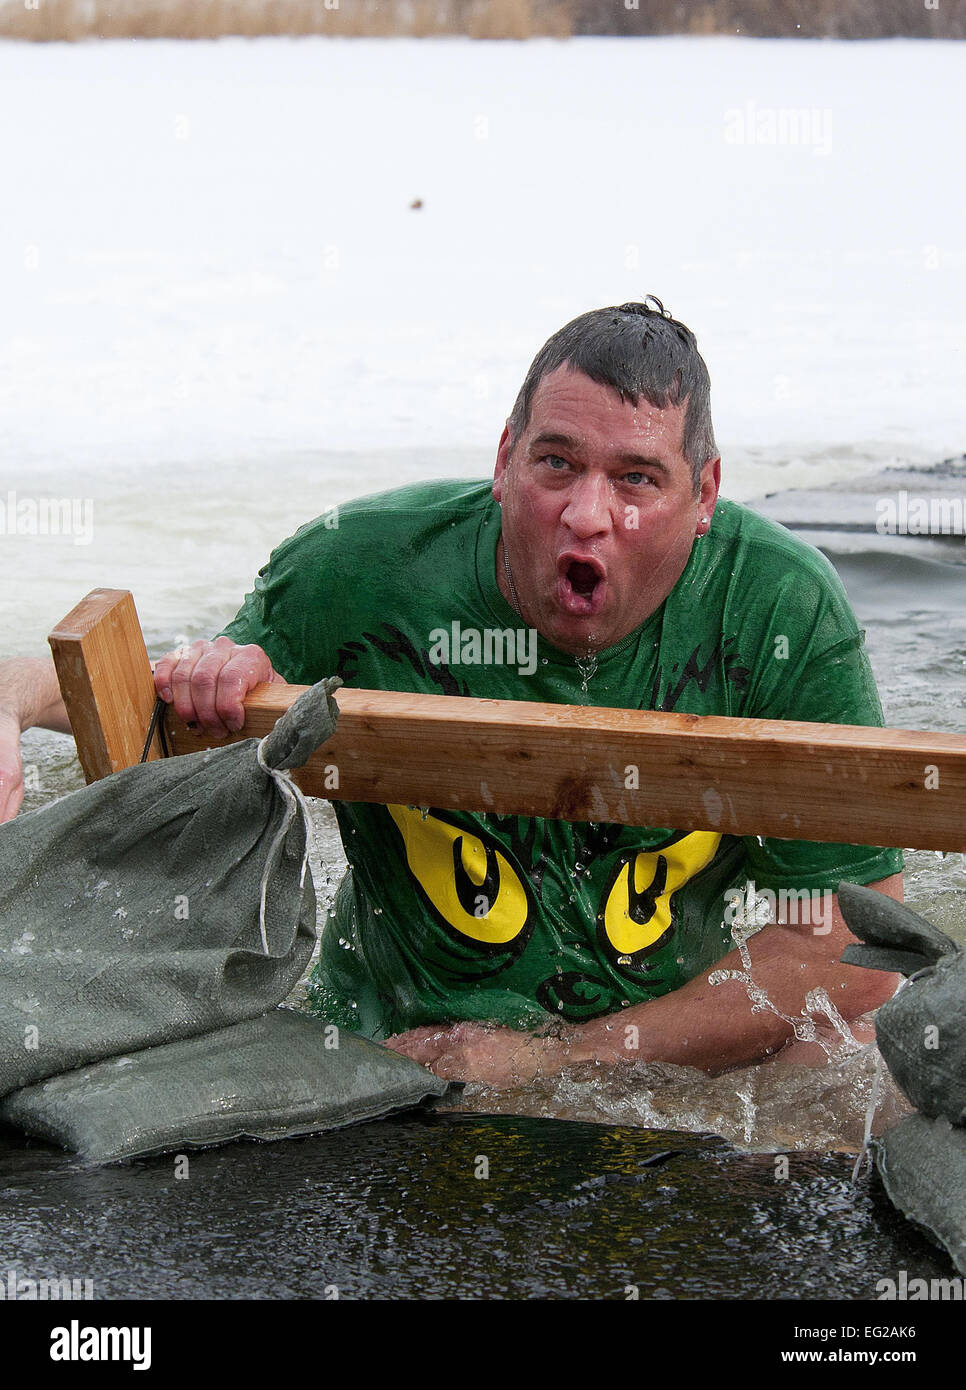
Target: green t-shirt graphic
(446,915)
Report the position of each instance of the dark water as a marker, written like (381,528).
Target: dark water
(395,1210)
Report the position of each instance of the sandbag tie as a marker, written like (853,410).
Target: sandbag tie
(156,726)
(294,801)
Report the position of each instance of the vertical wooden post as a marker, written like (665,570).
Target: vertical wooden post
(105,678)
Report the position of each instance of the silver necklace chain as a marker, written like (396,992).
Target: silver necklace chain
(509,580)
(581,661)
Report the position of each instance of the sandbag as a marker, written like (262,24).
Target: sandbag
(165,901)
(272,1077)
(922,1163)
(921,1031)
(149,926)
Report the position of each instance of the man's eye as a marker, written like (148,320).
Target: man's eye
(555,462)
(637,478)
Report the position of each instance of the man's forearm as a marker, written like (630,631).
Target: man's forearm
(712,1027)
(30,691)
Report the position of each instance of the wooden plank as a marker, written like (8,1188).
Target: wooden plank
(736,776)
(105,678)
(825,782)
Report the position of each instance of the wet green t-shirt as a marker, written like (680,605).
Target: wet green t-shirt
(446,915)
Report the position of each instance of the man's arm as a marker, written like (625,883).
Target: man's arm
(207,683)
(711,1027)
(29,689)
(29,698)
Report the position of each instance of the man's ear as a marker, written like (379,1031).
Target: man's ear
(502,459)
(710,484)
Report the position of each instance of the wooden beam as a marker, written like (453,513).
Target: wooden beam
(824,782)
(105,678)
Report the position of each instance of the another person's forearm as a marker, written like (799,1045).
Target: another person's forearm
(712,1027)
(29,690)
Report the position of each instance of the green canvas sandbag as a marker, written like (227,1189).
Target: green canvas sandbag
(922,1163)
(157,918)
(272,1077)
(921,1033)
(929,1070)
(167,900)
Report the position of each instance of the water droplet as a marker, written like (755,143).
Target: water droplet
(587,666)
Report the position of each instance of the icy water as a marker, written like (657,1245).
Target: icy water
(398,1210)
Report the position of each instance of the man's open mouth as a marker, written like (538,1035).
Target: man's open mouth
(581,585)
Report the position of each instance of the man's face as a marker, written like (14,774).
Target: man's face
(599,510)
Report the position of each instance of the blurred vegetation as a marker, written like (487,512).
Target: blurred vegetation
(481,19)
(840,19)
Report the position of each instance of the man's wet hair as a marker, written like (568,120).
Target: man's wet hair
(640,351)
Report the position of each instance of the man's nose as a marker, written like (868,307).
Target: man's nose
(588,509)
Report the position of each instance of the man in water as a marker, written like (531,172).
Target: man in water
(598,567)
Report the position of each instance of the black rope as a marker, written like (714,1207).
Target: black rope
(156,726)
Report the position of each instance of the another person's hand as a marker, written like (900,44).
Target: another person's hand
(208,681)
(11,769)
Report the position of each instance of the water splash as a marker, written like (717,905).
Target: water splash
(869,1115)
(771,1107)
(816,1001)
(874,1099)
(749,1110)
(587,666)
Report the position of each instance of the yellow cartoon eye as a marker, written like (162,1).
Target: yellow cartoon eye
(469,883)
(636,912)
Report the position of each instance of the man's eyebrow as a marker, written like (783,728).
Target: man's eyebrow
(626,460)
(561,441)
